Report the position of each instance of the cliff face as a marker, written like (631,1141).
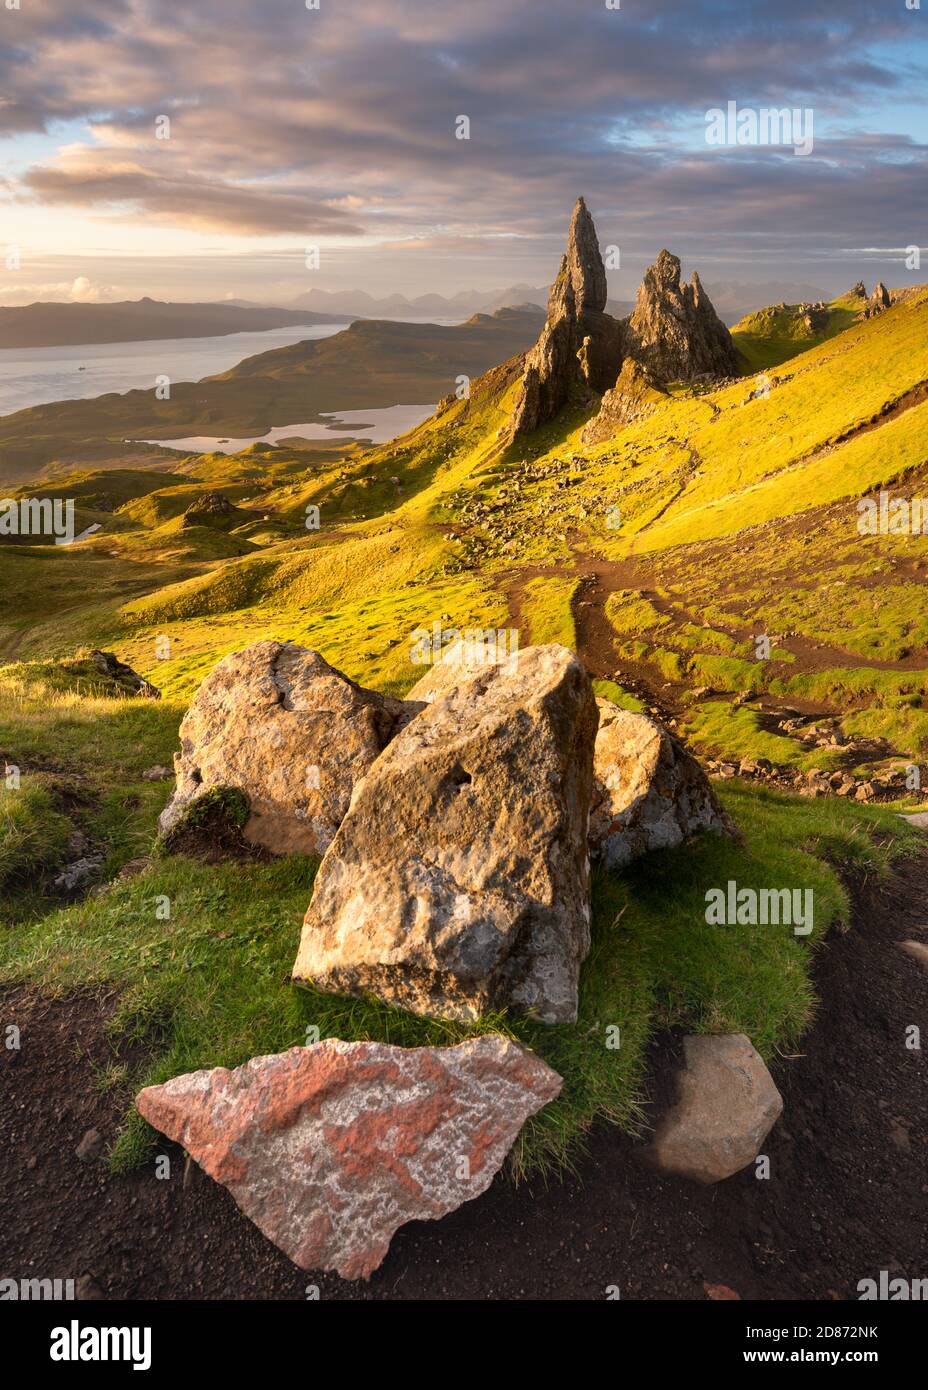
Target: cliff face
(673,334)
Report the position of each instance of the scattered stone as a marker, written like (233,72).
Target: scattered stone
(727,1105)
(129,681)
(459,879)
(158,773)
(919,819)
(865,792)
(90,1147)
(330,1149)
(76,876)
(282,726)
(917,950)
(721,1293)
(87,1290)
(648,792)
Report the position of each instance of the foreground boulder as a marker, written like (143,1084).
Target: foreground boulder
(459,879)
(649,792)
(727,1105)
(330,1149)
(281,725)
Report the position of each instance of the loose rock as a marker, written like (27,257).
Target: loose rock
(330,1149)
(726,1107)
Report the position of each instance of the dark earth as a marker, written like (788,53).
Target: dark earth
(847,1196)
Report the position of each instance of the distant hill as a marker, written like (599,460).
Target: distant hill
(139,320)
(372,363)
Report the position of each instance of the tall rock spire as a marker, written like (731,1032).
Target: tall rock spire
(580,345)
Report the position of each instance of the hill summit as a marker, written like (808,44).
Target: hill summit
(672,334)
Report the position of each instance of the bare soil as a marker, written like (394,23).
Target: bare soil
(847,1196)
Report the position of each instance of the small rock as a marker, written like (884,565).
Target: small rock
(727,1106)
(90,1147)
(721,1293)
(917,950)
(86,1289)
(158,773)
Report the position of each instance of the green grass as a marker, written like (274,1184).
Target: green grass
(33,833)
(207,981)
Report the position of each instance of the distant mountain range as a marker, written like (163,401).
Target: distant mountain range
(732,300)
(145,320)
(140,320)
(360,304)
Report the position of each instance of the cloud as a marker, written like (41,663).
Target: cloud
(340,122)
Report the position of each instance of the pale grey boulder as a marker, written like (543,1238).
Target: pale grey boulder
(458,881)
(649,793)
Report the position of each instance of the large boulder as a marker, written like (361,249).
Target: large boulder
(649,792)
(330,1149)
(280,724)
(727,1105)
(459,880)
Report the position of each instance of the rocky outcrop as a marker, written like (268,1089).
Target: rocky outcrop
(673,334)
(127,681)
(458,881)
(207,509)
(674,331)
(648,791)
(726,1106)
(634,395)
(281,725)
(879,300)
(330,1149)
(580,345)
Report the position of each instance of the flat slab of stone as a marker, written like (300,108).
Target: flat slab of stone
(330,1149)
(919,819)
(727,1104)
(459,880)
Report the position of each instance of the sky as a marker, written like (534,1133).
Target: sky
(317,148)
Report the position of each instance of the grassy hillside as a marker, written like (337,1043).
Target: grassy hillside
(662,555)
(372,363)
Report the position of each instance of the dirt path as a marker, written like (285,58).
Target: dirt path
(847,1196)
